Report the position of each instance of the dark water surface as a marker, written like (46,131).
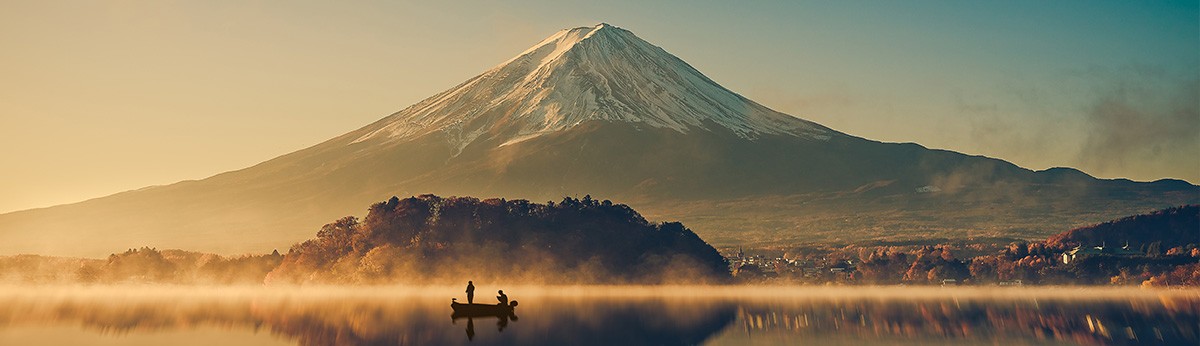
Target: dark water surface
(228,316)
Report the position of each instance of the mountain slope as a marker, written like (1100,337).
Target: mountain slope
(596,110)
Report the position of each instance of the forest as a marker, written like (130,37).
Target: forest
(433,239)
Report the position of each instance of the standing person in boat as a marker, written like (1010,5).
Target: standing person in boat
(503,298)
(470,292)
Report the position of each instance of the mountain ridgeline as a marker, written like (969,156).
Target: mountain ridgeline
(447,240)
(599,110)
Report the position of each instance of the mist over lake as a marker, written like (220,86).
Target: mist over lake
(599,315)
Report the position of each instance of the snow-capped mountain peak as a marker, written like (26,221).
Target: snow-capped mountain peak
(597,73)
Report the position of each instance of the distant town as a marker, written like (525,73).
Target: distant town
(937,265)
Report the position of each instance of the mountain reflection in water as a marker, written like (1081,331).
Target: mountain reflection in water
(386,316)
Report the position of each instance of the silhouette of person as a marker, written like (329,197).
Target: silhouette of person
(503,298)
(470,292)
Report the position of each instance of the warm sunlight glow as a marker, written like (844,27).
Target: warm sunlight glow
(599,173)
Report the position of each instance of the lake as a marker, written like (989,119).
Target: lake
(599,315)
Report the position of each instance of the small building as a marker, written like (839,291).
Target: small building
(842,267)
(1012,283)
(1080,252)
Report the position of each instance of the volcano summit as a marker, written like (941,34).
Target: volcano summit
(597,110)
(601,73)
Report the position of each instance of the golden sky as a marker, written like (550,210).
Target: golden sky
(105,96)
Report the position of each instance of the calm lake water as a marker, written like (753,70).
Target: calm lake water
(228,316)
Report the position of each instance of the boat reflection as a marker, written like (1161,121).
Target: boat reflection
(501,321)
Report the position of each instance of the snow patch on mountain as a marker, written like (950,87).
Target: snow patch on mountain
(584,74)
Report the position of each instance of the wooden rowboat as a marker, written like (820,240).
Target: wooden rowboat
(477,310)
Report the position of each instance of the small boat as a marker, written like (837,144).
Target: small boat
(477,310)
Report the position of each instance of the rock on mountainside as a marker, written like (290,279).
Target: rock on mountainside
(597,110)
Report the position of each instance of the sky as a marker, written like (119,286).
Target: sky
(99,97)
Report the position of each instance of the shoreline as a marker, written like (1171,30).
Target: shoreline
(741,292)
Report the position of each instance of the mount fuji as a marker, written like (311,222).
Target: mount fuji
(601,73)
(597,110)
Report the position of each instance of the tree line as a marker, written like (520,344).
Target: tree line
(1160,248)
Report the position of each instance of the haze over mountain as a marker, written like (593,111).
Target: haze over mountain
(596,110)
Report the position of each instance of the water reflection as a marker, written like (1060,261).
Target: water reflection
(381,317)
(501,322)
(1033,321)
